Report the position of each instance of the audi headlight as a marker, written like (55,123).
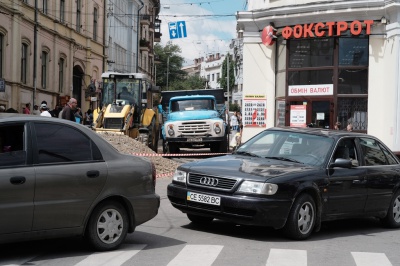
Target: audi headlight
(258,188)
(179,176)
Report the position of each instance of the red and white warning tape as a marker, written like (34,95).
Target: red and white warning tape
(176,154)
(165,175)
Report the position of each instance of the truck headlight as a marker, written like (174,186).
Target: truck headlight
(217,128)
(171,131)
(258,188)
(179,176)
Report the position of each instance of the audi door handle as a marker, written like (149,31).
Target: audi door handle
(93,174)
(17,180)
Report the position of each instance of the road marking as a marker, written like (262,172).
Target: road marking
(17,262)
(112,258)
(370,259)
(203,255)
(287,257)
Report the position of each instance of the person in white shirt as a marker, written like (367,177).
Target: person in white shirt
(234,122)
(44,110)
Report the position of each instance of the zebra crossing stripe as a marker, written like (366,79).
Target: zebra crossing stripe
(370,259)
(199,255)
(287,257)
(112,258)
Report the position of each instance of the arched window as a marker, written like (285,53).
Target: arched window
(24,62)
(45,59)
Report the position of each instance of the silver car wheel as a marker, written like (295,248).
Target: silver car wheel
(396,210)
(306,217)
(110,226)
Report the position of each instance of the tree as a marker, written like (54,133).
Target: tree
(189,83)
(223,80)
(171,62)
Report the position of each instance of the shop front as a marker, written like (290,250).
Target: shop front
(337,65)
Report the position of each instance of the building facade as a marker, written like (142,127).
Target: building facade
(322,62)
(149,33)
(51,52)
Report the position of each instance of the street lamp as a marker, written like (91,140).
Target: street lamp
(167,71)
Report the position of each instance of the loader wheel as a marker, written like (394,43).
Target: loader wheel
(153,136)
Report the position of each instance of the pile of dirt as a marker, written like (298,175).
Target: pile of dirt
(124,144)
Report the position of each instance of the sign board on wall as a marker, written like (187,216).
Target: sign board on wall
(254,111)
(310,90)
(298,115)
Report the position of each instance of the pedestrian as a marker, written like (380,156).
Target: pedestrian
(44,111)
(234,121)
(89,117)
(27,109)
(35,110)
(78,116)
(349,127)
(68,113)
(337,126)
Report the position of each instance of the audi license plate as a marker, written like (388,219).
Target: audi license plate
(203,198)
(194,139)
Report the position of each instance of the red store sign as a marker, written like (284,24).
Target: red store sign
(326,29)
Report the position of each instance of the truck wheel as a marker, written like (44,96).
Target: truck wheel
(173,148)
(224,145)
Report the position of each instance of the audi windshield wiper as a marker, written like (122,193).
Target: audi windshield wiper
(247,153)
(283,159)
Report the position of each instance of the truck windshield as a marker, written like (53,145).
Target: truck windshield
(127,91)
(192,105)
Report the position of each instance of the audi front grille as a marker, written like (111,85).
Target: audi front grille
(211,181)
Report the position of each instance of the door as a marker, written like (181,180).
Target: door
(69,176)
(309,111)
(321,114)
(17,181)
(347,191)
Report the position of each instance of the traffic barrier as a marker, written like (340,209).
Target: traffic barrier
(177,154)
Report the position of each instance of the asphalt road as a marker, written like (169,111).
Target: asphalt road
(170,239)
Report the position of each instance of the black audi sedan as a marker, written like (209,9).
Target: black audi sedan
(293,179)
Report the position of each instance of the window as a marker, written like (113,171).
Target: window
(389,156)
(373,155)
(24,62)
(78,15)
(61,75)
(346,149)
(54,144)
(353,111)
(1,54)
(62,11)
(44,69)
(12,149)
(212,77)
(45,6)
(95,24)
(311,53)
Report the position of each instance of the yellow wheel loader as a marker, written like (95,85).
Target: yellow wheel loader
(126,106)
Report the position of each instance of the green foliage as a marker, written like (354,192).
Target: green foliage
(189,83)
(223,80)
(234,107)
(170,61)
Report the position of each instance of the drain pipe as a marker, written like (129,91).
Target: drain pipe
(138,40)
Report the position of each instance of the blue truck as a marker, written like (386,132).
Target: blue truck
(194,119)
